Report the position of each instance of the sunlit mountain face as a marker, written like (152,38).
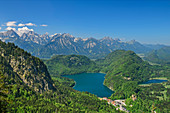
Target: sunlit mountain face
(44,46)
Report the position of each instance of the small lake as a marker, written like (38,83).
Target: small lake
(154,81)
(91,82)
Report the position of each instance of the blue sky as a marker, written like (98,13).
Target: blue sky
(147,21)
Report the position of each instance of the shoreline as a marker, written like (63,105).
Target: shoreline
(74,84)
(157,78)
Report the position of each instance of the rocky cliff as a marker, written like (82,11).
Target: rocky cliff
(28,69)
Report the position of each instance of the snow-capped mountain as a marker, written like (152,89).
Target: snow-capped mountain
(44,46)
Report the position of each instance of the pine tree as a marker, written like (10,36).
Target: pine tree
(3,94)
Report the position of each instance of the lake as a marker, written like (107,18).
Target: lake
(154,81)
(91,82)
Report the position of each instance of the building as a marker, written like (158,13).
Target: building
(114,103)
(109,101)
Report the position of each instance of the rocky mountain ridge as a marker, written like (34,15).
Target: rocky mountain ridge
(44,46)
(28,69)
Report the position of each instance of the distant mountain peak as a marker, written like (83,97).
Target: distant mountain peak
(117,39)
(67,35)
(11,33)
(77,39)
(132,42)
(32,33)
(68,44)
(24,34)
(91,38)
(107,38)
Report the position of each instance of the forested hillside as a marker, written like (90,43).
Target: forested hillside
(160,56)
(125,71)
(26,86)
(70,64)
(29,69)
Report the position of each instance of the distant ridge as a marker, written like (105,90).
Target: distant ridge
(45,46)
(160,56)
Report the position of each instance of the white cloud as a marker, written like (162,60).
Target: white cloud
(27,24)
(30,24)
(21,25)
(9,28)
(23,30)
(0,28)
(11,23)
(44,25)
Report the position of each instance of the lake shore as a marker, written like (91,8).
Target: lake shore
(91,82)
(161,78)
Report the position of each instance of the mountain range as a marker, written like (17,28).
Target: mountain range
(160,56)
(45,46)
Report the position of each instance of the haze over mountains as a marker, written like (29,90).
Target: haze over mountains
(160,56)
(45,46)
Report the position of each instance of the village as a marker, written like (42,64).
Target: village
(119,104)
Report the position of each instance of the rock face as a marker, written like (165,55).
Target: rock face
(31,36)
(44,46)
(9,36)
(29,69)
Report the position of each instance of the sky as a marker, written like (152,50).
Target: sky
(147,21)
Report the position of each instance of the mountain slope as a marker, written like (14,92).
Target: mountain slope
(30,88)
(27,67)
(44,46)
(125,64)
(60,44)
(159,56)
(124,70)
(31,36)
(69,64)
(9,36)
(154,46)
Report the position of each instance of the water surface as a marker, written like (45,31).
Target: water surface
(91,82)
(154,81)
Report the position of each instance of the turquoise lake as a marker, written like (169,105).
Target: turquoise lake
(91,82)
(154,81)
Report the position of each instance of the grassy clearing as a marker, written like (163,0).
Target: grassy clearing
(145,85)
(162,78)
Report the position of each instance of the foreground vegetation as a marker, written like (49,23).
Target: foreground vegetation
(124,72)
(25,86)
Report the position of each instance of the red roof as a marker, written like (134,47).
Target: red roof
(113,102)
